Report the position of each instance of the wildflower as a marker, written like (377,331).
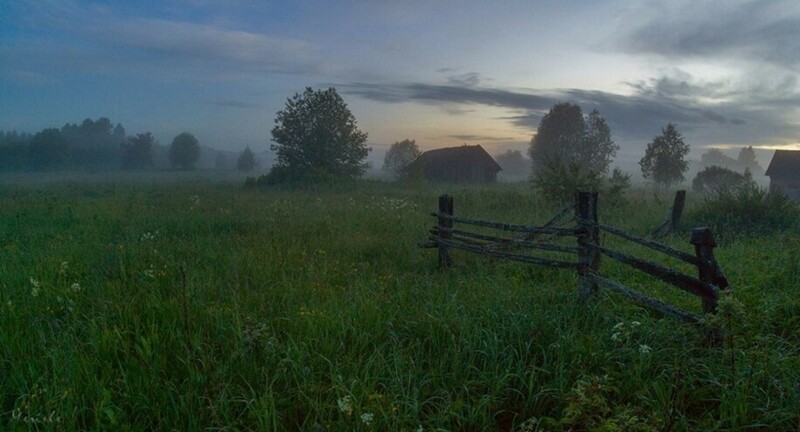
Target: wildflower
(34,288)
(644,349)
(616,337)
(367,418)
(76,287)
(149,273)
(619,325)
(346,405)
(64,266)
(636,323)
(420,429)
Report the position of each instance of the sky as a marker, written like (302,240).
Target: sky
(442,72)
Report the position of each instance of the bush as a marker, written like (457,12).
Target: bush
(714,177)
(282,175)
(559,182)
(747,209)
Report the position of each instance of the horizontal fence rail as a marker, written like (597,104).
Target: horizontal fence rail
(675,253)
(587,250)
(503,241)
(509,227)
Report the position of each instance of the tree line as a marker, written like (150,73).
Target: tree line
(101,145)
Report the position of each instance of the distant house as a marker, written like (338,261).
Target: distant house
(784,172)
(464,164)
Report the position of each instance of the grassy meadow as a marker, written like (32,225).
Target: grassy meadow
(201,305)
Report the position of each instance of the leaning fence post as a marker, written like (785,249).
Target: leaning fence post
(708,268)
(445,226)
(677,209)
(588,255)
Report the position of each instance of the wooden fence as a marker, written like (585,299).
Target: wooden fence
(584,254)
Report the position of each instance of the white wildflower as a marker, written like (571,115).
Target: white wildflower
(619,325)
(149,273)
(616,336)
(34,287)
(367,418)
(76,287)
(64,266)
(636,323)
(346,405)
(420,429)
(644,349)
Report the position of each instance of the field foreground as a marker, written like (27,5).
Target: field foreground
(198,306)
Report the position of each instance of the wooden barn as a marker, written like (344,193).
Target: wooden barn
(784,172)
(464,164)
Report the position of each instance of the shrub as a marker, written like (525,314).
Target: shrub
(747,209)
(280,175)
(559,182)
(714,177)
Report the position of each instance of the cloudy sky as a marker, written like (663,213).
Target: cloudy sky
(442,72)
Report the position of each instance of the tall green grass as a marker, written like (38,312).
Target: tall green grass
(197,306)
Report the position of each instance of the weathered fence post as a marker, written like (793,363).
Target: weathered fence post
(445,226)
(588,255)
(708,268)
(677,209)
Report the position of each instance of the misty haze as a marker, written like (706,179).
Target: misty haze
(399,216)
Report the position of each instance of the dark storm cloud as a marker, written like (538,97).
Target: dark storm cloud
(633,118)
(754,30)
(480,138)
(470,79)
(442,94)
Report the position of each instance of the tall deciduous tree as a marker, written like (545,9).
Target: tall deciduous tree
(400,154)
(247,160)
(566,137)
(316,130)
(138,151)
(184,151)
(570,151)
(664,161)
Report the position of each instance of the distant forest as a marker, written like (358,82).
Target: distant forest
(92,145)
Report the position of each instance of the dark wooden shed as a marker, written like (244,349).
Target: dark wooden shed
(464,164)
(784,172)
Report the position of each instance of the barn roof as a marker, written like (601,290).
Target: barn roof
(458,155)
(785,163)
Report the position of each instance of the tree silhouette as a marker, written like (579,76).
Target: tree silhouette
(565,138)
(48,150)
(747,159)
(316,131)
(664,160)
(138,151)
(247,160)
(400,154)
(184,151)
(513,163)
(570,152)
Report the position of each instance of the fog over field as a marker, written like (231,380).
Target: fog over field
(439,73)
(399,215)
